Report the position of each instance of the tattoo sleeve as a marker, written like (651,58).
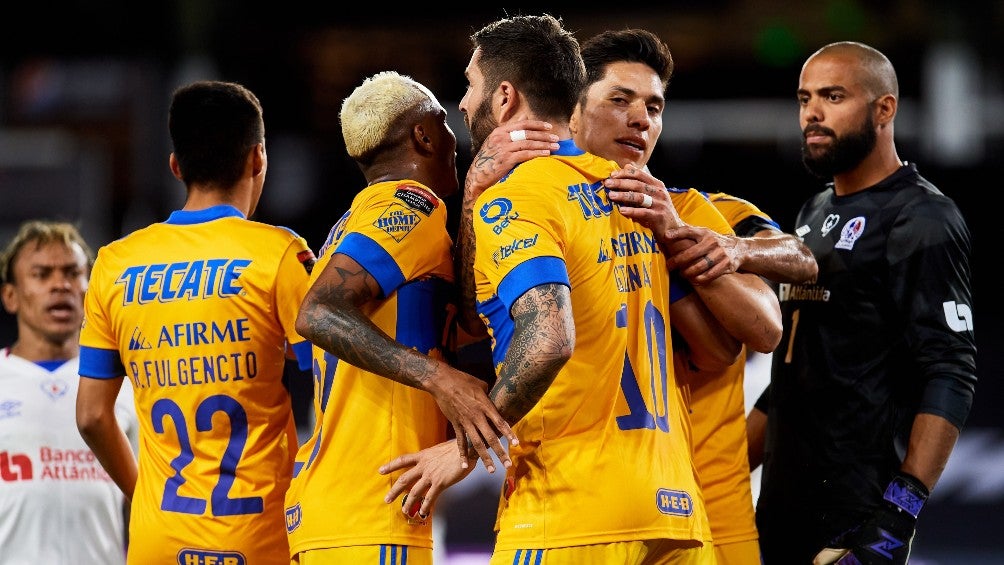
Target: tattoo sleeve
(331,318)
(543,341)
(486,170)
(464,266)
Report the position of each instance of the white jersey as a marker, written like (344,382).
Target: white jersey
(57,504)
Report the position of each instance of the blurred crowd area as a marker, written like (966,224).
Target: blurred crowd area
(84,89)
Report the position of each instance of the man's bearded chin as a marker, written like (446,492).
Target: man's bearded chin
(844,154)
(480,123)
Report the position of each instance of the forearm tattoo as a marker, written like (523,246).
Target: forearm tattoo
(336,323)
(543,340)
(484,170)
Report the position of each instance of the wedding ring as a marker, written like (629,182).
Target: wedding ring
(646,201)
(517,135)
(709,262)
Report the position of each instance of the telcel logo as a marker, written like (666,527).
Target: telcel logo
(517,244)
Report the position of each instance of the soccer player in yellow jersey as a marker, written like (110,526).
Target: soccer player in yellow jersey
(378,312)
(717,398)
(576,298)
(199,313)
(620,117)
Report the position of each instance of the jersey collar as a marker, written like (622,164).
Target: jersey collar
(188,217)
(567,147)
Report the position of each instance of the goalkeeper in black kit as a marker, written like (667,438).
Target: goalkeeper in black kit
(875,374)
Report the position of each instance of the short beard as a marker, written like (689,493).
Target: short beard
(845,154)
(481,124)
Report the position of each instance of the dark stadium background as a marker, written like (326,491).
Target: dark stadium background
(84,88)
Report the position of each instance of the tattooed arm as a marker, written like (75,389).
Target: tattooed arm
(463,257)
(331,317)
(543,341)
(497,156)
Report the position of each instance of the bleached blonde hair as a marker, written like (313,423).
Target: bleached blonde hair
(370,113)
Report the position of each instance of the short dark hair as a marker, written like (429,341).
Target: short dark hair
(539,56)
(40,232)
(630,45)
(213,125)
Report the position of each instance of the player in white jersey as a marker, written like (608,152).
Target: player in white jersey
(58,504)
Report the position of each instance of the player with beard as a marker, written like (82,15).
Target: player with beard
(378,312)
(619,116)
(875,374)
(576,297)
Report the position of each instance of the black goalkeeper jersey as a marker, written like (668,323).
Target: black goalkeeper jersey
(885,331)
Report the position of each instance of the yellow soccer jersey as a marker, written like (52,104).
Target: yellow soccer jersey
(397,232)
(198,312)
(605,455)
(695,208)
(718,414)
(742,215)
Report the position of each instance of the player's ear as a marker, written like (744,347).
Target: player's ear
(506,101)
(175,167)
(885,109)
(575,120)
(420,136)
(258,159)
(9,298)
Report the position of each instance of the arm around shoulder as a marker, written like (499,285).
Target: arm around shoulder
(777,256)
